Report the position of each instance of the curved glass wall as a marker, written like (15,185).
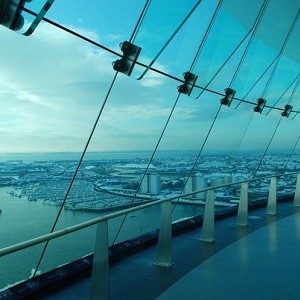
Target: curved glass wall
(80,140)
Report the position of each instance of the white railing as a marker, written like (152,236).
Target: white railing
(100,272)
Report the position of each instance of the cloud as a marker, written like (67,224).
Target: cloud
(53,85)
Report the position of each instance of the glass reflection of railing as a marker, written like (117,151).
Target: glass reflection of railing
(100,271)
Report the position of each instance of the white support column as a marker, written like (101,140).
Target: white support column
(242,216)
(272,200)
(100,274)
(208,227)
(164,247)
(297,192)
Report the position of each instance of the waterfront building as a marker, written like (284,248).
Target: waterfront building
(199,183)
(151,184)
(195,183)
(144,184)
(154,184)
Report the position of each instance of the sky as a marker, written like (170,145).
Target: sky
(52,84)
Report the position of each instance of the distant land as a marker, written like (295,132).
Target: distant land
(42,156)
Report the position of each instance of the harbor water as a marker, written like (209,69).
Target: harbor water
(21,220)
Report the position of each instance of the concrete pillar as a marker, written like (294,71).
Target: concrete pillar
(164,247)
(272,199)
(242,216)
(100,273)
(208,227)
(297,192)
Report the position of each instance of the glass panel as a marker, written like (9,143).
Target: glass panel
(213,63)
(159,25)
(285,69)
(224,46)
(50,102)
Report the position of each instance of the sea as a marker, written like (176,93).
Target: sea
(21,220)
(54,156)
(143,154)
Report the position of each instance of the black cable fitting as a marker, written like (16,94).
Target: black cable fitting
(260,105)
(287,110)
(229,95)
(189,83)
(130,54)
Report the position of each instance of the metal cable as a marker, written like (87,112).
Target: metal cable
(77,168)
(267,148)
(166,124)
(211,22)
(280,54)
(228,58)
(256,24)
(295,88)
(78,35)
(286,90)
(293,93)
(148,165)
(199,153)
(171,37)
(72,32)
(254,30)
(275,60)
(261,76)
(292,153)
(86,146)
(140,19)
(240,142)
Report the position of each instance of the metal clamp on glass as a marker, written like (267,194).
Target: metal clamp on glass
(260,105)
(229,95)
(189,82)
(10,14)
(23,16)
(130,54)
(287,110)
